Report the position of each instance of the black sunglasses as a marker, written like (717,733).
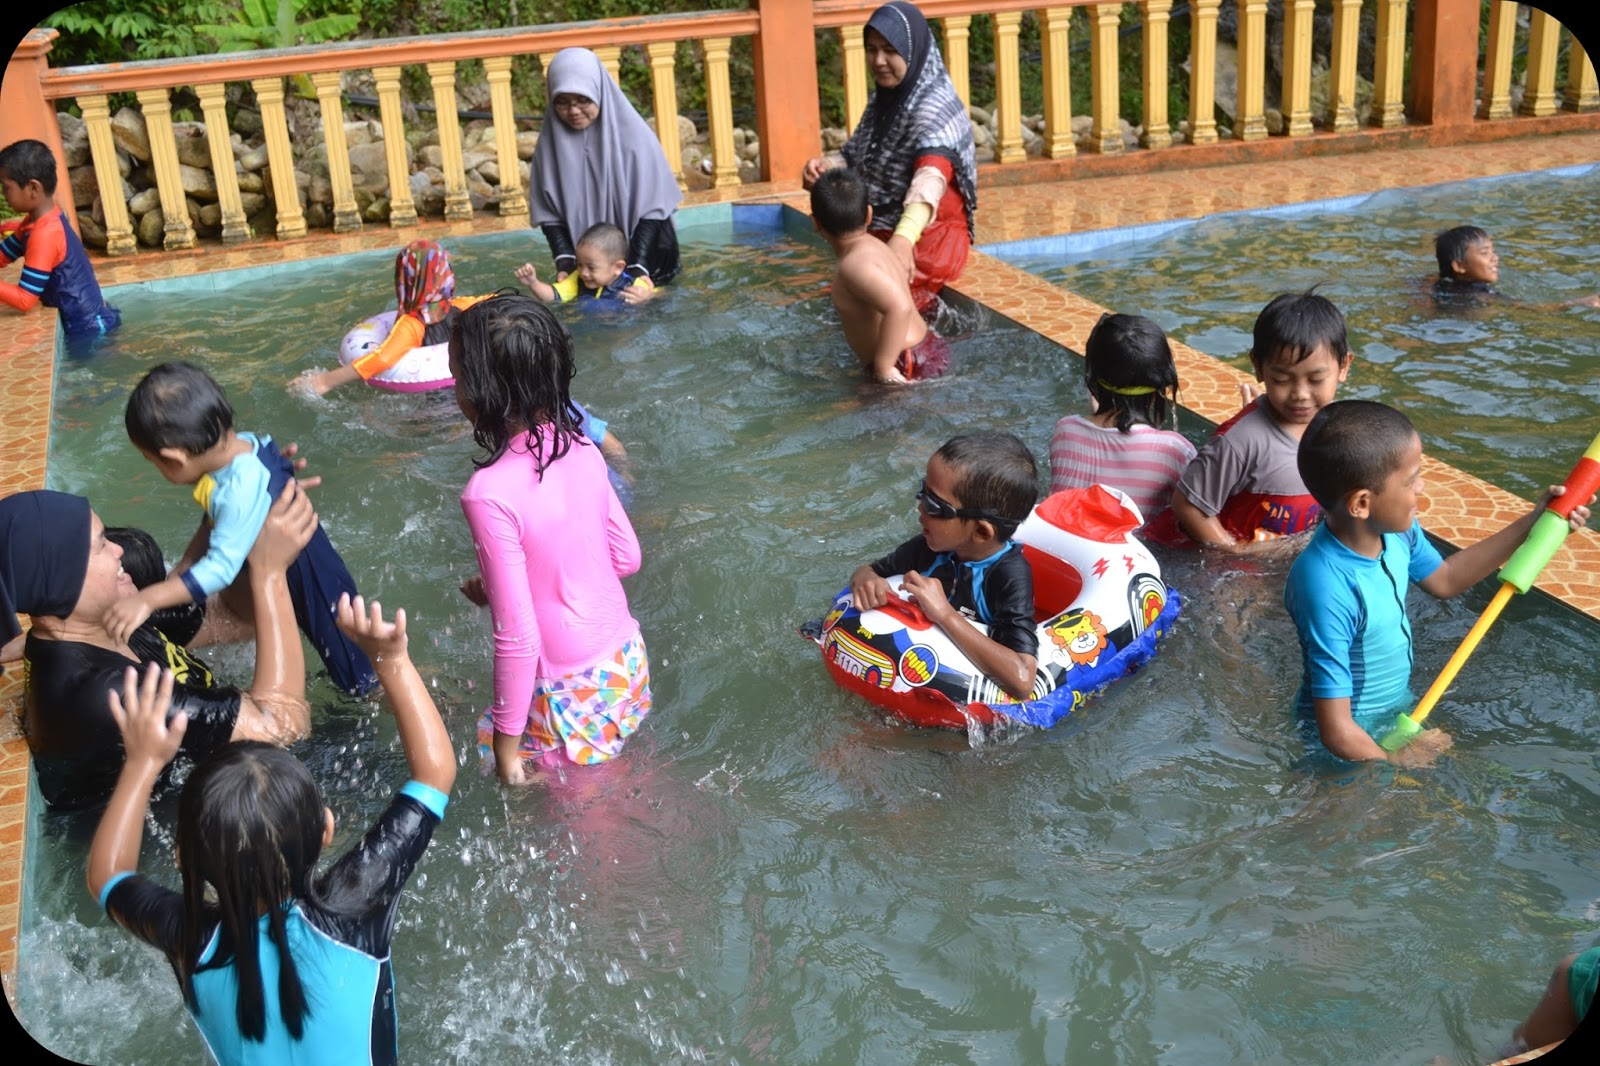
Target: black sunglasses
(934,507)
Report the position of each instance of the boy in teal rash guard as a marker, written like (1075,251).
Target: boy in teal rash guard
(1346,591)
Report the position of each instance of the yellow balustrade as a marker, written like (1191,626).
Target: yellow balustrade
(957,36)
(1203,71)
(1153,80)
(1105,135)
(1342,70)
(719,111)
(396,153)
(1544,37)
(854,55)
(1495,98)
(457,205)
(664,94)
(280,158)
(1008,88)
(611,58)
(512,199)
(213,105)
(346,218)
(103,150)
(1581,92)
(1388,83)
(157,107)
(1297,67)
(1053,23)
(1250,123)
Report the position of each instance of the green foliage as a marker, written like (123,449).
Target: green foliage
(277,24)
(115,31)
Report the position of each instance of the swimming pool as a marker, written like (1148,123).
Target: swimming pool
(1502,391)
(772,873)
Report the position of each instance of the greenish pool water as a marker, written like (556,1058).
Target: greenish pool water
(773,874)
(1509,391)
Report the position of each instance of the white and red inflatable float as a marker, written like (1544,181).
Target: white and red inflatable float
(419,370)
(1100,604)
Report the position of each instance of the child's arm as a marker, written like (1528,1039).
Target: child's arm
(1340,735)
(274,708)
(124,616)
(867,589)
(322,382)
(530,277)
(1472,564)
(150,742)
(46,249)
(1009,669)
(422,733)
(1201,527)
(890,299)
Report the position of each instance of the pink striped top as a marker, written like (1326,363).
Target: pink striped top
(1145,463)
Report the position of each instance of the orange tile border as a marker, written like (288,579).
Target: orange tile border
(1458,507)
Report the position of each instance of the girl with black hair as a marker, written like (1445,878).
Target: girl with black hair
(1122,442)
(571,677)
(276,965)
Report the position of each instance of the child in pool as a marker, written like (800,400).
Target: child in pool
(1346,591)
(180,420)
(275,965)
(1564,1006)
(870,289)
(1469,268)
(601,273)
(55,268)
(571,675)
(1133,391)
(142,561)
(975,492)
(1244,486)
(424,289)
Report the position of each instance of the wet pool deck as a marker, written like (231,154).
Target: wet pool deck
(1457,507)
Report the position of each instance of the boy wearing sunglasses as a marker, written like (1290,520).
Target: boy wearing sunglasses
(978,488)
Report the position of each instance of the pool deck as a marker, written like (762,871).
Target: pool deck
(1457,507)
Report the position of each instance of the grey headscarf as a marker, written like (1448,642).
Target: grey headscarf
(612,171)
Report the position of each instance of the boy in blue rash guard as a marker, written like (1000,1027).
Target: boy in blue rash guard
(180,420)
(977,489)
(277,966)
(1347,590)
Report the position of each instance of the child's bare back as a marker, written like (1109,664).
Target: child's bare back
(875,308)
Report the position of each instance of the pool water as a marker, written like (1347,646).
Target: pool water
(1503,390)
(771,873)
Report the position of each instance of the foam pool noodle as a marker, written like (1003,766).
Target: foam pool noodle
(1518,575)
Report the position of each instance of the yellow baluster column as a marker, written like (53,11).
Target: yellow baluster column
(103,149)
(1008,88)
(1053,23)
(1106,133)
(213,104)
(280,157)
(664,93)
(719,110)
(1581,93)
(512,199)
(1297,66)
(1157,126)
(957,35)
(854,57)
(457,205)
(396,153)
(1544,37)
(611,58)
(1342,74)
(1494,100)
(157,108)
(1388,109)
(346,218)
(1250,124)
(1203,71)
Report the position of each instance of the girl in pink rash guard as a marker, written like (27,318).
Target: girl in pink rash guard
(570,674)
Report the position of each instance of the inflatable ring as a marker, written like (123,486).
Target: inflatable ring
(419,370)
(1101,608)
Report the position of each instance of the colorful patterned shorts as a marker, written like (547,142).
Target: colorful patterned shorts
(586,716)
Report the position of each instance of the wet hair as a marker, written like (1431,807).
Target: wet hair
(994,472)
(839,201)
(514,366)
(250,824)
(29,160)
(177,405)
(141,555)
(608,238)
(1452,245)
(1293,326)
(1127,352)
(1352,445)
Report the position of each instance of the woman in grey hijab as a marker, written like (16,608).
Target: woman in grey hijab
(598,161)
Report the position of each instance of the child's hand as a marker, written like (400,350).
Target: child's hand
(472,588)
(867,589)
(312,382)
(365,625)
(291,451)
(639,292)
(1248,391)
(527,274)
(928,593)
(815,167)
(141,714)
(1423,749)
(1580,514)
(124,616)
